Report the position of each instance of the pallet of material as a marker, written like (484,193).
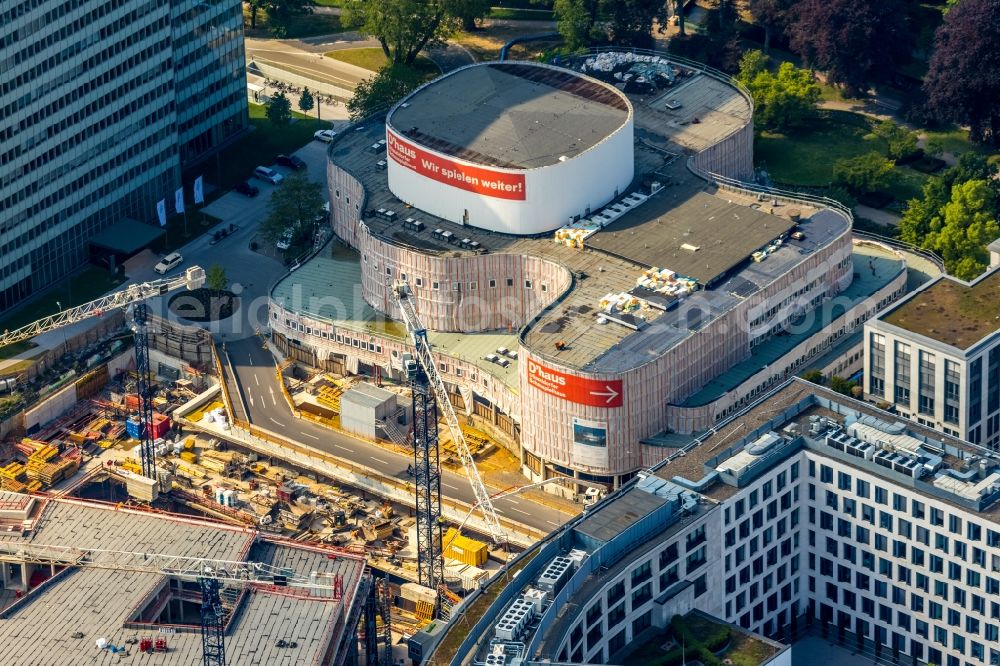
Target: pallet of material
(13,471)
(12,485)
(189,456)
(33,486)
(44,454)
(216,466)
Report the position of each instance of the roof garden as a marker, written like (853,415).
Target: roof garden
(952,312)
(700,637)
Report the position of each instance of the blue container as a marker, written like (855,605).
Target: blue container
(133,427)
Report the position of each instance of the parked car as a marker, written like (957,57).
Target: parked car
(168,263)
(290,161)
(268,174)
(326,136)
(248,189)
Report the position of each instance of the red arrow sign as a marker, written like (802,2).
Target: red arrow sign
(581,390)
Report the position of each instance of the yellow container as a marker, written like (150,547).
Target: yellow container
(465,550)
(189,456)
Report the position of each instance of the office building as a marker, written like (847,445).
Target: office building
(102,105)
(935,357)
(808,509)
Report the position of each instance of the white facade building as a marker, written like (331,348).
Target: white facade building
(812,509)
(101,107)
(935,357)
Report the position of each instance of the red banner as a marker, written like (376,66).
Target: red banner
(499,184)
(581,390)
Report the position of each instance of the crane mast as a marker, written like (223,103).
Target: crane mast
(418,334)
(133,296)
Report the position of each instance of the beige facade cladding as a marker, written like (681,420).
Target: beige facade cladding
(652,381)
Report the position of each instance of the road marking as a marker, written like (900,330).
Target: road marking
(277,423)
(513,501)
(519,511)
(250,398)
(305,434)
(344,448)
(256,379)
(379,460)
(448,485)
(271,389)
(552,523)
(262,400)
(250,356)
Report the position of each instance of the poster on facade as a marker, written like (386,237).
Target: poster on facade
(590,443)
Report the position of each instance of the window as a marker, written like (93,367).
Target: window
(642,573)
(527,284)
(493,283)
(435,285)
(510,282)
(420,282)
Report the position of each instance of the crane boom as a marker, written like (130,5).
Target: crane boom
(401,292)
(191,568)
(192,278)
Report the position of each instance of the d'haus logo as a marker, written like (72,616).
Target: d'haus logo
(542,373)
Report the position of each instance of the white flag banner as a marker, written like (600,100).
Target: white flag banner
(179,200)
(199,191)
(161,211)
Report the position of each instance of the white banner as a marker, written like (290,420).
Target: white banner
(161,211)
(590,443)
(179,199)
(199,191)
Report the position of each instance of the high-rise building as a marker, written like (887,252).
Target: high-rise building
(101,107)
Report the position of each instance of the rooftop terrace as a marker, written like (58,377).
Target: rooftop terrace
(951,312)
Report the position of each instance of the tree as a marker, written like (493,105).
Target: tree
(901,142)
(470,11)
(963,75)
(293,206)
(852,41)
(575,20)
(306,101)
(403,27)
(279,109)
(216,279)
(814,376)
(382,90)
(841,385)
(967,223)
(772,15)
(924,212)
(783,100)
(630,22)
(865,173)
(278,12)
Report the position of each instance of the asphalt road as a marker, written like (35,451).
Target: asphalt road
(256,374)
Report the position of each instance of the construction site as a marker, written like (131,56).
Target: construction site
(149,428)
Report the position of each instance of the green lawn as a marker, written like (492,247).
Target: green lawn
(305,25)
(806,156)
(956,141)
(372,58)
(517,14)
(907,183)
(261,146)
(82,287)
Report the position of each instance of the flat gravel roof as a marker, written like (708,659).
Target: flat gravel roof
(512,115)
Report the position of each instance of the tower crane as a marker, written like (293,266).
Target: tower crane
(428,386)
(210,574)
(132,296)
